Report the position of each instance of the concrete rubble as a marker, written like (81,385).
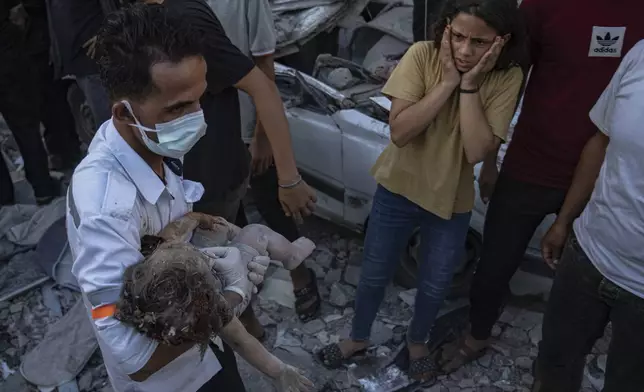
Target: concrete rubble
(506,366)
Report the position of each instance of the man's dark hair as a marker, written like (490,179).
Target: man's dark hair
(501,15)
(134,39)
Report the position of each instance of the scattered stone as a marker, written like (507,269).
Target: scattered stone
(324,258)
(398,335)
(333,276)
(285,339)
(380,333)
(347,312)
(265,320)
(408,297)
(352,275)
(383,351)
(4,304)
(500,348)
(524,363)
(313,327)
(341,295)
(496,331)
(508,315)
(466,383)
(484,380)
(435,388)
(527,379)
(527,320)
(333,317)
(310,344)
(318,270)
(515,337)
(323,337)
(15,308)
(85,381)
(485,360)
(535,335)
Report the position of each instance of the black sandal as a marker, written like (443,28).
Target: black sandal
(308,300)
(422,366)
(331,356)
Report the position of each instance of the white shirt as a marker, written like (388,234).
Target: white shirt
(611,228)
(249,26)
(113,200)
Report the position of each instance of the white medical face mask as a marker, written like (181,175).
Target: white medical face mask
(175,137)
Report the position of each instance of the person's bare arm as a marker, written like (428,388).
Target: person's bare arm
(478,139)
(287,378)
(583,183)
(408,120)
(267,65)
(270,113)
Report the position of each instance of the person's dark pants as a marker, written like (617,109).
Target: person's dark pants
(97,98)
(20,107)
(424,16)
(582,302)
(515,211)
(7,196)
(60,134)
(228,378)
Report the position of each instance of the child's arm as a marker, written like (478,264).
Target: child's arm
(287,378)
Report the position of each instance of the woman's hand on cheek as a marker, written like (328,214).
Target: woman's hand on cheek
(450,73)
(472,79)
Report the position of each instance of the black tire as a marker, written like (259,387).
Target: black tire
(85,124)
(406,275)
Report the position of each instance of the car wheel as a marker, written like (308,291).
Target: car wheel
(83,117)
(407,273)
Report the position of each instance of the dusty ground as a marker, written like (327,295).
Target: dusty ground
(506,367)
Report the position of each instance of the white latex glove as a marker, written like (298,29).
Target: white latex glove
(291,379)
(227,262)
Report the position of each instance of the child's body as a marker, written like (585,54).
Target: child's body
(174,296)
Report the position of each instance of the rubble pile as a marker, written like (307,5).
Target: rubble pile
(336,261)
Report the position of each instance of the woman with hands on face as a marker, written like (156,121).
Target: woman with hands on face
(452,102)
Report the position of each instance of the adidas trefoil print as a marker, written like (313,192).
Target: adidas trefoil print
(606,41)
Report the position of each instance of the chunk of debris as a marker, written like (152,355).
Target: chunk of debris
(341,295)
(340,78)
(408,297)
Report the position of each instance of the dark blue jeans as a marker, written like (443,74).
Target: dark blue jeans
(582,302)
(391,223)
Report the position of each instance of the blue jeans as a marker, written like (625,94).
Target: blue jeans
(391,223)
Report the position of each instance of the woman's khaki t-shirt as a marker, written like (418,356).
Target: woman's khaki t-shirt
(432,170)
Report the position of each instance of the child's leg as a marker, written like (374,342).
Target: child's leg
(262,238)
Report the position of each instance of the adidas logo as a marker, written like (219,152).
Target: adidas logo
(607,40)
(605,44)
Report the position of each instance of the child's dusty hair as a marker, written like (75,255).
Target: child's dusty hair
(172,296)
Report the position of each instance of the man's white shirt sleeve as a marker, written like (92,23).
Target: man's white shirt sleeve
(602,112)
(106,244)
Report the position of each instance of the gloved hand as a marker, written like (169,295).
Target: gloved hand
(291,379)
(238,277)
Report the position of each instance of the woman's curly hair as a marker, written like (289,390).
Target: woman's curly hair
(172,296)
(501,15)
